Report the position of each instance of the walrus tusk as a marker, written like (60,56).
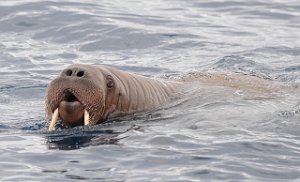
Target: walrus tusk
(86,117)
(53,120)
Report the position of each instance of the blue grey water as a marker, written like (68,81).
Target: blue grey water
(207,137)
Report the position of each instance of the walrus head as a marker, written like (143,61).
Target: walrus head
(80,95)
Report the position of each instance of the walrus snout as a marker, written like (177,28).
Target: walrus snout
(73,95)
(71,110)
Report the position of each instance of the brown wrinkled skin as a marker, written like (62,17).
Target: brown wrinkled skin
(89,84)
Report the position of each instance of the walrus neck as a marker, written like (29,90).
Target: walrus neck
(138,93)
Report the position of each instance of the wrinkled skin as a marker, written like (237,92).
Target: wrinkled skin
(102,91)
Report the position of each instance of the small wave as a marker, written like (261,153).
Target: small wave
(240,64)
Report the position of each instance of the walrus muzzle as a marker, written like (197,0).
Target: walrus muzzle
(73,95)
(71,111)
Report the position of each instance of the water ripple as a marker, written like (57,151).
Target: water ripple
(210,133)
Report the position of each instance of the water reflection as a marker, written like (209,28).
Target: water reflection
(108,133)
(78,137)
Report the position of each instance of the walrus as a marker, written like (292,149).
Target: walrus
(89,94)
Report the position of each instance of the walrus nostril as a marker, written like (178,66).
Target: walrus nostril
(69,72)
(80,73)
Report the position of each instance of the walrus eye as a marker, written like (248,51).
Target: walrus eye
(109,81)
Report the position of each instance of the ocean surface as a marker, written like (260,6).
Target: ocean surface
(210,135)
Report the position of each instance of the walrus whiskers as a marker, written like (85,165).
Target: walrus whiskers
(53,120)
(86,117)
